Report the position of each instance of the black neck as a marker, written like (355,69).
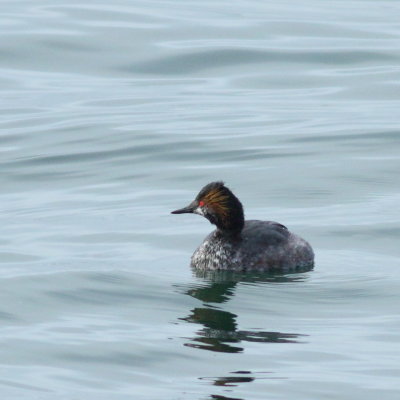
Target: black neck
(233,222)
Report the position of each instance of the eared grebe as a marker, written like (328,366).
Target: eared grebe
(240,245)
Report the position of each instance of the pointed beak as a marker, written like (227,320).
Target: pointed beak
(189,209)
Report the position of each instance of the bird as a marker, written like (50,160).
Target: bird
(239,245)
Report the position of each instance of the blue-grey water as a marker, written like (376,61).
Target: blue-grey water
(112,114)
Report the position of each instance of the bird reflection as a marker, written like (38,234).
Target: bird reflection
(230,380)
(219,332)
(219,397)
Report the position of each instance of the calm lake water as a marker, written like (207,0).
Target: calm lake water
(112,114)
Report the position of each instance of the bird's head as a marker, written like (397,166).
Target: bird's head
(219,205)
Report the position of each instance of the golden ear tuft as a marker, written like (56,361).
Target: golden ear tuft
(218,200)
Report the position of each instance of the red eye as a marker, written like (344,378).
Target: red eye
(201,203)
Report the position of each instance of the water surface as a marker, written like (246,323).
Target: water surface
(112,115)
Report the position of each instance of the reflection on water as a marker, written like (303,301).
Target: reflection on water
(231,381)
(220,331)
(219,397)
(219,328)
(250,277)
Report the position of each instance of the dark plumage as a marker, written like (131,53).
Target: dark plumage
(240,245)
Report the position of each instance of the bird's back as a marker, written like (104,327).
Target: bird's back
(261,246)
